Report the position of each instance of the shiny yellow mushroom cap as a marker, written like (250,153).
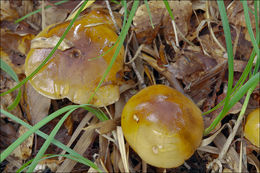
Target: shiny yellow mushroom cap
(78,65)
(162,125)
(252,127)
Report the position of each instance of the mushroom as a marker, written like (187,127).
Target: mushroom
(252,127)
(75,69)
(162,125)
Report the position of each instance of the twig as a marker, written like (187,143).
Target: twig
(136,54)
(138,75)
(43,16)
(237,125)
(112,16)
(210,28)
(175,33)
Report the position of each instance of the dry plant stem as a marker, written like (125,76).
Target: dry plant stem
(236,40)
(144,166)
(103,165)
(175,33)
(244,153)
(110,116)
(138,75)
(210,28)
(127,43)
(136,54)
(211,165)
(122,150)
(77,7)
(207,141)
(13,161)
(237,125)
(155,49)
(241,157)
(252,159)
(43,16)
(170,77)
(105,136)
(174,46)
(199,28)
(209,149)
(186,165)
(112,16)
(82,144)
(77,131)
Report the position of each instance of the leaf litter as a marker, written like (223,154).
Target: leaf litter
(188,54)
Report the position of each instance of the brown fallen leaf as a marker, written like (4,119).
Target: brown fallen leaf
(191,66)
(14,49)
(81,146)
(25,7)
(8,134)
(23,151)
(6,100)
(235,13)
(104,126)
(59,13)
(146,33)
(52,164)
(7,12)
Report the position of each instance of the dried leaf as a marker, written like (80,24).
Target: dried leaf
(7,12)
(59,13)
(14,49)
(23,151)
(52,164)
(236,16)
(8,134)
(8,99)
(160,17)
(82,144)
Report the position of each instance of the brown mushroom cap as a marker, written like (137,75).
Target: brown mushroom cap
(73,73)
(162,125)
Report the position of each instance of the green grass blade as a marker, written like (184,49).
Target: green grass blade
(168,9)
(36,127)
(5,67)
(37,11)
(251,83)
(149,12)
(16,101)
(8,70)
(125,13)
(49,156)
(228,39)
(256,7)
(48,142)
(239,83)
(120,44)
(115,1)
(43,135)
(50,54)
(249,65)
(250,31)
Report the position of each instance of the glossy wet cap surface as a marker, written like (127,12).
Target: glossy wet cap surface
(75,72)
(162,125)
